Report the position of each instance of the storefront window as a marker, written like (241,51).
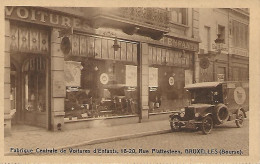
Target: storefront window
(167,79)
(101,82)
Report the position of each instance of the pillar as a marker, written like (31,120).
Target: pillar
(229,68)
(196,67)
(7,85)
(58,88)
(144,72)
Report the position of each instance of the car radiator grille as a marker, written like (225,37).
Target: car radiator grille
(189,113)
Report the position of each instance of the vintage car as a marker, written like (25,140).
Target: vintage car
(212,103)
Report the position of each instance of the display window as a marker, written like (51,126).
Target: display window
(168,74)
(101,82)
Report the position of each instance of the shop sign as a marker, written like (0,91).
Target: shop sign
(239,52)
(72,72)
(104,78)
(44,17)
(181,44)
(131,75)
(240,95)
(153,77)
(221,77)
(171,81)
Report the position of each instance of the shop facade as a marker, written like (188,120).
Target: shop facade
(66,71)
(230,62)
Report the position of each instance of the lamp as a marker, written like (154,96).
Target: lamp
(219,43)
(116,45)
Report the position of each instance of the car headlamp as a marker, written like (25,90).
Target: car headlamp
(197,114)
(182,114)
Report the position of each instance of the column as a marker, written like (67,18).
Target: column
(7,85)
(58,88)
(196,67)
(144,71)
(229,68)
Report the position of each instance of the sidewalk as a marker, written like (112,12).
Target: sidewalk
(33,137)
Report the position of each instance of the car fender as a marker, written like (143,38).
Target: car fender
(174,114)
(206,114)
(241,109)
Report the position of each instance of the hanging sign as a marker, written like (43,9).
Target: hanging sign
(65,45)
(131,75)
(204,63)
(153,77)
(72,72)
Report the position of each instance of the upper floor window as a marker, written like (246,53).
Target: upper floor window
(178,15)
(221,31)
(207,38)
(240,34)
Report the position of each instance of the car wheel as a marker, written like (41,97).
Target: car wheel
(207,125)
(240,119)
(175,124)
(220,114)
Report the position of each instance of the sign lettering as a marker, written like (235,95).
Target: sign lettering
(181,44)
(47,18)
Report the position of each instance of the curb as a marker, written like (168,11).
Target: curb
(102,140)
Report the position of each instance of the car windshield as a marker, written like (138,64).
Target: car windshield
(203,95)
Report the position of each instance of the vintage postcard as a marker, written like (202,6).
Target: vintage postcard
(130,82)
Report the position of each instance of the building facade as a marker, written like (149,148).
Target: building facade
(231,61)
(68,68)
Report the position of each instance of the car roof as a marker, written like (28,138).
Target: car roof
(203,85)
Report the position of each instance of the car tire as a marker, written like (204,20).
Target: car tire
(220,114)
(207,125)
(175,121)
(240,119)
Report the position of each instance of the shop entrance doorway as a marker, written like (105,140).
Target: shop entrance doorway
(28,93)
(34,91)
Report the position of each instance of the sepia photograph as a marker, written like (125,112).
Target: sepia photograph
(126,81)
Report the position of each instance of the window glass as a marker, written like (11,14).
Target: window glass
(178,15)
(167,80)
(103,85)
(221,31)
(240,34)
